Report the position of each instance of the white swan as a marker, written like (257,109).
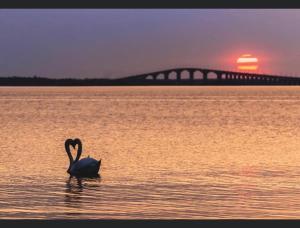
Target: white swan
(84,167)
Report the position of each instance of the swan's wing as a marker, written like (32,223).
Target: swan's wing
(86,164)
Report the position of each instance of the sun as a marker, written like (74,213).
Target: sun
(247,63)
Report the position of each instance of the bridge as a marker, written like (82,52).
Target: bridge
(200,76)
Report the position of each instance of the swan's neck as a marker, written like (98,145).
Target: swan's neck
(67,144)
(79,151)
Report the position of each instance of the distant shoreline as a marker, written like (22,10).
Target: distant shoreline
(169,77)
(39,81)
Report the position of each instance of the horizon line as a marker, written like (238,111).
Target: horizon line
(149,73)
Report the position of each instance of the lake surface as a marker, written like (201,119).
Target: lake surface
(167,152)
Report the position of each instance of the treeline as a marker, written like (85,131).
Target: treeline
(39,81)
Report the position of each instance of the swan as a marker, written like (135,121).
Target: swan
(84,167)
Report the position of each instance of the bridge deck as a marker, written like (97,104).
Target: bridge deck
(199,76)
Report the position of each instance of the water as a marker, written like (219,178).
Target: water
(167,152)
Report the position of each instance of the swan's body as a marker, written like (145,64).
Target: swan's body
(84,167)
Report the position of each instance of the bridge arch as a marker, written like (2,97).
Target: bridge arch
(149,77)
(172,75)
(198,75)
(212,75)
(184,75)
(160,76)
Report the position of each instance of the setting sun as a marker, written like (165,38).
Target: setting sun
(247,63)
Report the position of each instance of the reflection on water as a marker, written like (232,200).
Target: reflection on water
(167,152)
(75,190)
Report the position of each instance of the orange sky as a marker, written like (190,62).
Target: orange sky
(108,43)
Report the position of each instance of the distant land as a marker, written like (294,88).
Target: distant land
(40,81)
(177,76)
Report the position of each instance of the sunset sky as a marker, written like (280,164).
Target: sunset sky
(114,43)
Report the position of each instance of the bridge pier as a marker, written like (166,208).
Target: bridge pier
(205,73)
(191,72)
(166,75)
(178,74)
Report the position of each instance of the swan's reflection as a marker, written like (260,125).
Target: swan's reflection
(76,186)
